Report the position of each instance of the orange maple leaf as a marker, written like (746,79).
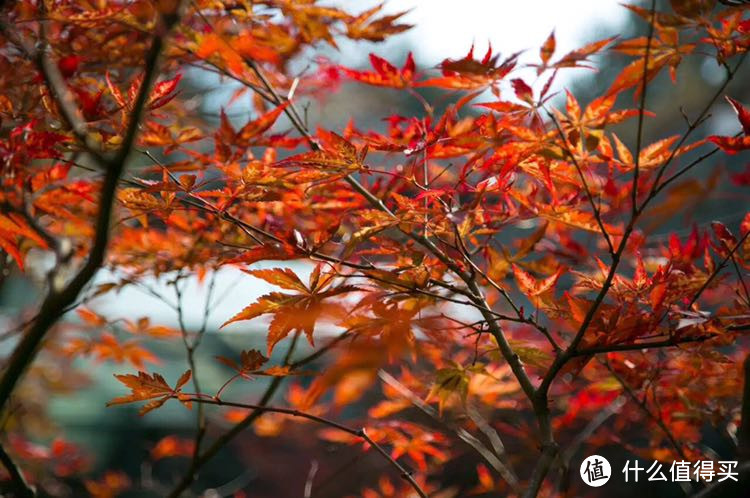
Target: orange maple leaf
(386,74)
(533,287)
(149,387)
(292,311)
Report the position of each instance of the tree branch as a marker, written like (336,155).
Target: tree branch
(21,488)
(594,208)
(644,407)
(362,433)
(61,295)
(496,460)
(199,461)
(641,109)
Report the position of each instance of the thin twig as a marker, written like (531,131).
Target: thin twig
(589,196)
(362,433)
(238,428)
(190,347)
(496,460)
(644,407)
(642,108)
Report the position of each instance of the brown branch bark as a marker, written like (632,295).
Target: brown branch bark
(497,460)
(645,409)
(642,109)
(21,488)
(570,352)
(61,295)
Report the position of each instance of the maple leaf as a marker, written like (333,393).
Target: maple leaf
(391,321)
(250,362)
(742,114)
(472,74)
(586,127)
(69,64)
(386,74)
(337,155)
(530,354)
(109,486)
(268,251)
(108,348)
(576,57)
(170,138)
(152,387)
(213,47)
(548,49)
(12,228)
(662,50)
(91,317)
(249,134)
(292,311)
(143,326)
(632,75)
(523,90)
(532,287)
(733,145)
(90,103)
(691,8)
(365,27)
(172,446)
(448,382)
(162,93)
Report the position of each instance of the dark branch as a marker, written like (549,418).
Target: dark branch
(362,433)
(20,487)
(60,295)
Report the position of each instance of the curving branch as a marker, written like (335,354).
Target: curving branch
(61,295)
(497,459)
(200,459)
(571,351)
(361,433)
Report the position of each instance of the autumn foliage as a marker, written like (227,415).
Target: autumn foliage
(480,281)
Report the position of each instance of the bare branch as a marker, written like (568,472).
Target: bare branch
(21,488)
(224,439)
(644,407)
(362,433)
(496,460)
(642,108)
